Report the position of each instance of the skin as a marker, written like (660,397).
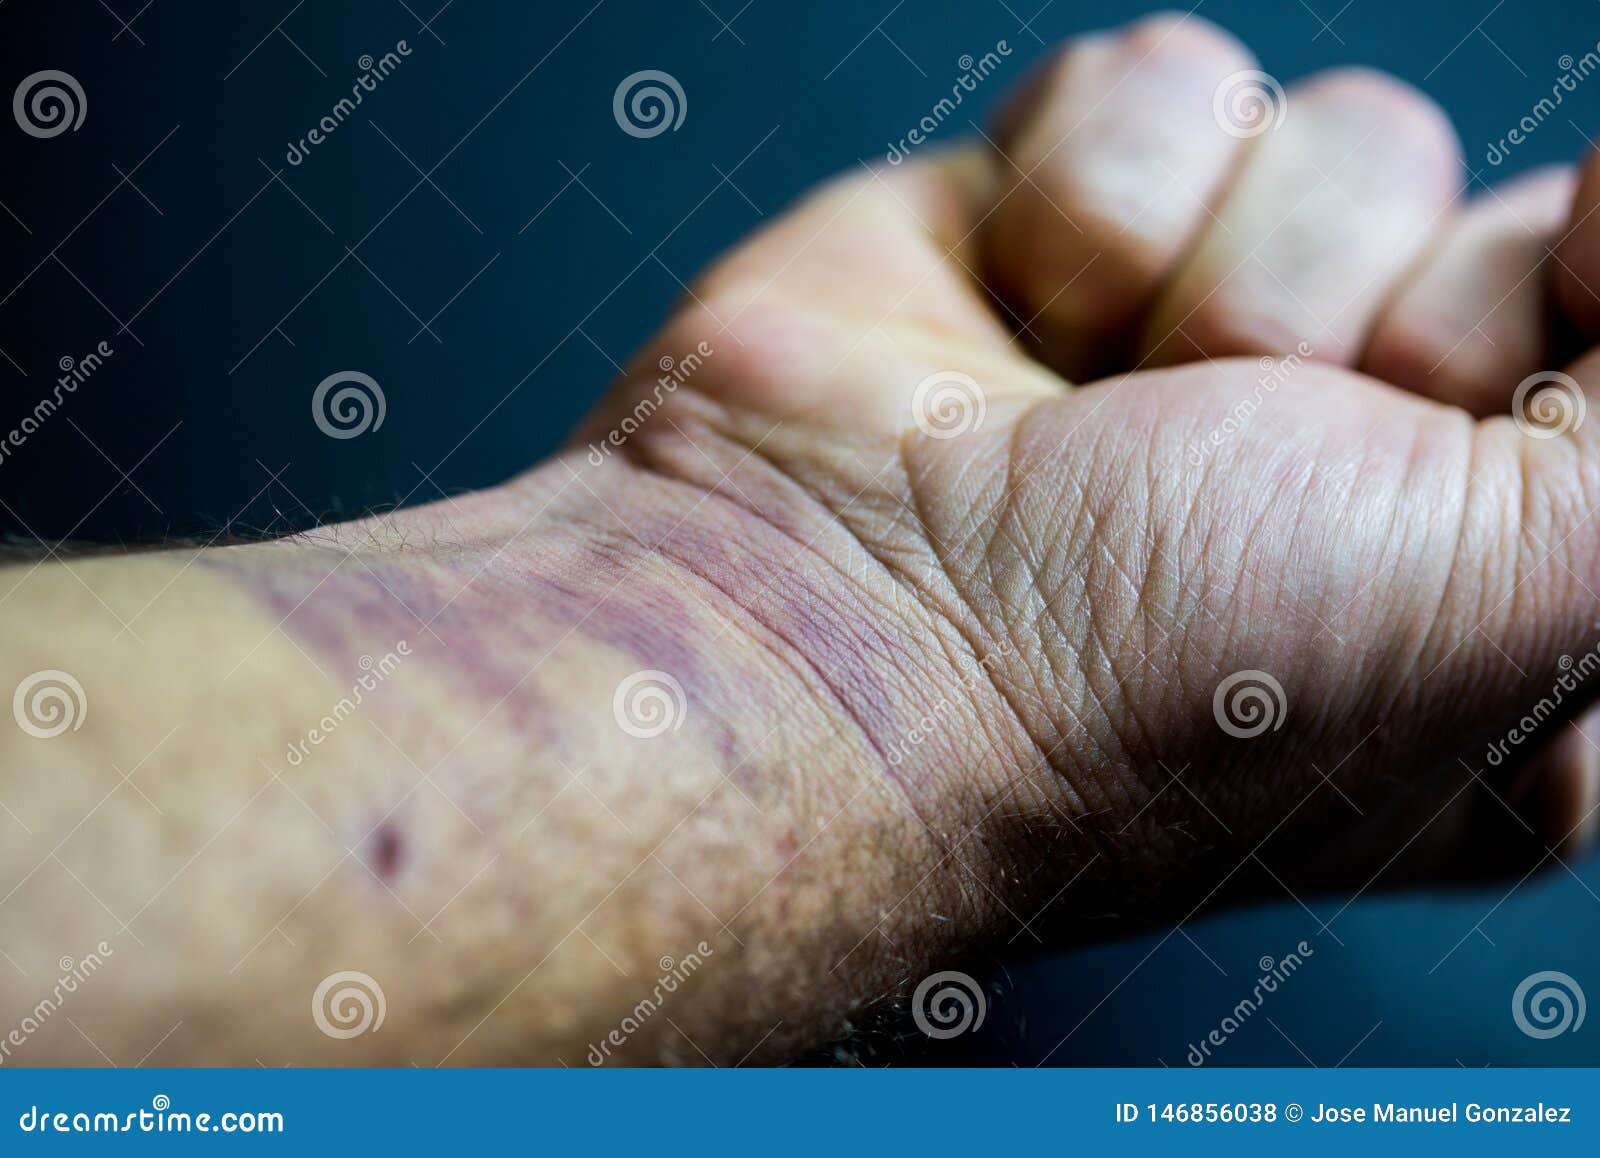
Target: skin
(932,688)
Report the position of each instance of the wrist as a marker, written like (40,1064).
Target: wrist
(647,755)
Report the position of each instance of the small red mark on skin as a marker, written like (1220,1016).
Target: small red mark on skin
(388,850)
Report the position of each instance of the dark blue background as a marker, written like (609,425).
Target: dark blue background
(228,296)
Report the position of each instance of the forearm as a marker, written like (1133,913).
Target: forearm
(393,748)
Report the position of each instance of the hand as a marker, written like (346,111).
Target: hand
(850,635)
(1397,582)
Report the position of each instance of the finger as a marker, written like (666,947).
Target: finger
(842,308)
(1514,653)
(1471,323)
(1111,159)
(1561,787)
(1332,206)
(1577,257)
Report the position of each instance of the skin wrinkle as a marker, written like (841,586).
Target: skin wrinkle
(1436,619)
(971,647)
(901,577)
(1530,556)
(1087,529)
(795,651)
(1078,789)
(761,452)
(1066,629)
(1046,755)
(1412,468)
(849,702)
